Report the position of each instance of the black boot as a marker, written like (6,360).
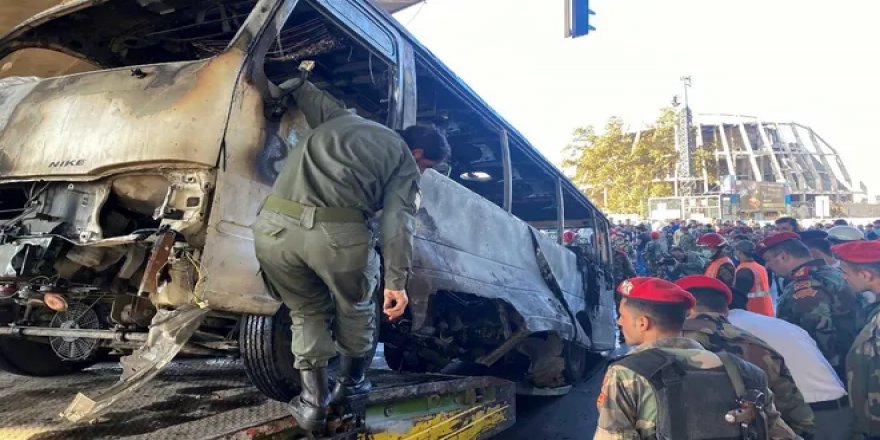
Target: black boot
(352,379)
(310,407)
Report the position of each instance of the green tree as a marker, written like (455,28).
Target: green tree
(618,173)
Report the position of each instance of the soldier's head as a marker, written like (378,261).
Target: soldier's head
(677,252)
(783,252)
(745,250)
(860,263)
(711,294)
(652,309)
(711,244)
(787,224)
(427,144)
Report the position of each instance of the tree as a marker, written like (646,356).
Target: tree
(618,173)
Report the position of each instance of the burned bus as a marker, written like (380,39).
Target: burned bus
(127,191)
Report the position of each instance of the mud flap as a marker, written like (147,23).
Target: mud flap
(169,332)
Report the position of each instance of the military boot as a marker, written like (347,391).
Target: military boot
(352,379)
(310,407)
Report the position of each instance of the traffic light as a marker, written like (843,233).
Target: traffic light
(577,18)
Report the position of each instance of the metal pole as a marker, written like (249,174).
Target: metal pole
(73,333)
(508,172)
(560,211)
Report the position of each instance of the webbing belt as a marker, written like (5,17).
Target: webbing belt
(330,215)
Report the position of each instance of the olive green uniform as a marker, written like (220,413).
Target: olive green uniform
(714,332)
(628,405)
(315,249)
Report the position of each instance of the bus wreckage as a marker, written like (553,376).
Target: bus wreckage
(127,191)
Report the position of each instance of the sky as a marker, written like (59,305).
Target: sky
(808,61)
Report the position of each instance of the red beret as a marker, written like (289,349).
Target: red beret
(702,281)
(655,290)
(859,252)
(774,240)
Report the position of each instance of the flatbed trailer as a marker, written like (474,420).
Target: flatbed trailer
(213,399)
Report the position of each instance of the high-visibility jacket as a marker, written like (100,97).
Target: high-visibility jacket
(713,267)
(759,294)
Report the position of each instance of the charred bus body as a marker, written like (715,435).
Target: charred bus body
(129,189)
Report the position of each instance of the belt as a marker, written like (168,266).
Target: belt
(827,405)
(330,215)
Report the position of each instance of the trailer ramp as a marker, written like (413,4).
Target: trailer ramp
(213,399)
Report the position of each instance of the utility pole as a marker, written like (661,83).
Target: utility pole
(684,170)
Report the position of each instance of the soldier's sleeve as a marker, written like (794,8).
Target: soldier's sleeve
(778,429)
(620,399)
(864,382)
(789,400)
(317,105)
(398,221)
(628,270)
(812,312)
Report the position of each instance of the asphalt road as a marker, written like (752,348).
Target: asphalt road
(572,416)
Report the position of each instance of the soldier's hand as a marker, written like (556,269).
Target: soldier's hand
(395,303)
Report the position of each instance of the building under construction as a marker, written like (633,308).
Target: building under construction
(765,169)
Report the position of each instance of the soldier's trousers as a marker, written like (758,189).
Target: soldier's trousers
(325,272)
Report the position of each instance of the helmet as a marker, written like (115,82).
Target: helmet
(711,239)
(655,235)
(845,233)
(568,237)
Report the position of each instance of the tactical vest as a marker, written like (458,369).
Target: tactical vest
(692,402)
(759,294)
(715,266)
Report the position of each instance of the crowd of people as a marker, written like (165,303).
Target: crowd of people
(785,318)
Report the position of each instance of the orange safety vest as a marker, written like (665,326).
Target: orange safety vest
(759,295)
(715,266)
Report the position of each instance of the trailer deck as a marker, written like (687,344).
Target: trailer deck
(213,399)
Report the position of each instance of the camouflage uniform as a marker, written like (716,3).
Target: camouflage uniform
(628,404)
(653,257)
(819,300)
(622,267)
(688,243)
(862,367)
(622,243)
(714,332)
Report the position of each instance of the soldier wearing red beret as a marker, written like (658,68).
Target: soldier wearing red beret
(817,299)
(708,325)
(667,370)
(860,262)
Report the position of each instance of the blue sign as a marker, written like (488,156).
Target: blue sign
(580,18)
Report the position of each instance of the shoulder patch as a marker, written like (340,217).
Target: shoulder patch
(802,272)
(600,401)
(805,292)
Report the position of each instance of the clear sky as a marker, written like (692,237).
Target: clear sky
(809,61)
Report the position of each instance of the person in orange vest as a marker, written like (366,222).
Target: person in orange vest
(712,247)
(751,277)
